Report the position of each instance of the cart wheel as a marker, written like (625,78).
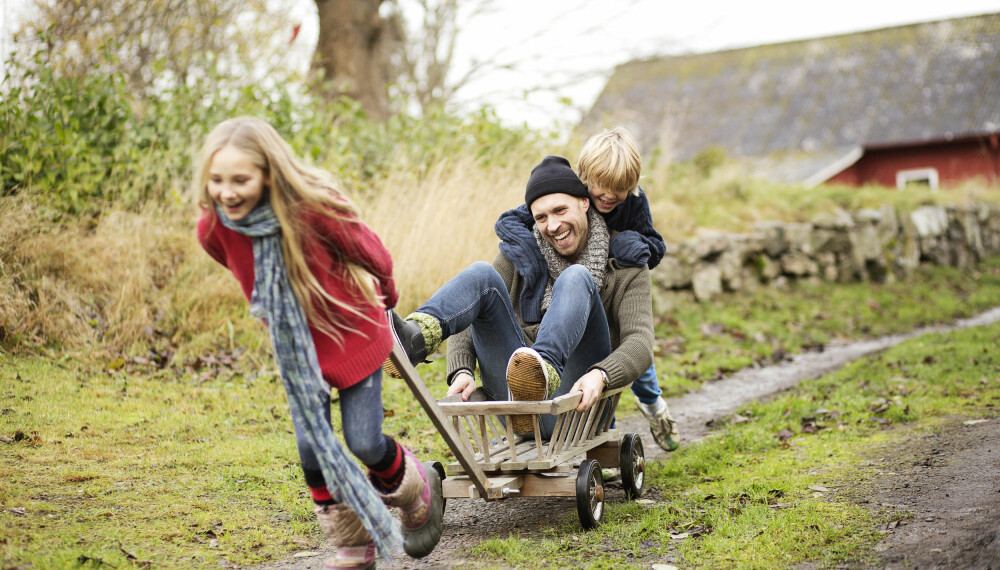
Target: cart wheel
(590,493)
(436,465)
(632,461)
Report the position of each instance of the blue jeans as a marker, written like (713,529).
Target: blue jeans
(572,336)
(361,419)
(646,388)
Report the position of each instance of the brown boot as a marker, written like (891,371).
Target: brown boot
(344,529)
(421,507)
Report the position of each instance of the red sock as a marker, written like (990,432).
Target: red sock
(388,477)
(321,495)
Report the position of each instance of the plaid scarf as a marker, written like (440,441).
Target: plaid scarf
(274,300)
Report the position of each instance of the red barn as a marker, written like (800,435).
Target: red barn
(917,104)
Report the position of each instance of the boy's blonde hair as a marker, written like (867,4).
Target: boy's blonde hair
(292,187)
(611,160)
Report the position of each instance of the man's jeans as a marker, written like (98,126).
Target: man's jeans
(573,334)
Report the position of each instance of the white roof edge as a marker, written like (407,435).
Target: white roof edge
(835,167)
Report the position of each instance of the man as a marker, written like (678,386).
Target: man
(596,326)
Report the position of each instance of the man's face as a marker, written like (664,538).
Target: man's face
(562,220)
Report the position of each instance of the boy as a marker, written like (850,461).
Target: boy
(609,165)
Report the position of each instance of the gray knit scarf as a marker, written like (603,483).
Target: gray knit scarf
(594,255)
(274,300)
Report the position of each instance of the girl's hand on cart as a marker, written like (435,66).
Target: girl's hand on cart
(463,383)
(591,384)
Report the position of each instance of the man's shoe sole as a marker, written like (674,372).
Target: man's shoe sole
(526,381)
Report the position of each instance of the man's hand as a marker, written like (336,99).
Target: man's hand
(591,384)
(463,383)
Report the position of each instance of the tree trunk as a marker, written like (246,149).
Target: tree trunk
(353,54)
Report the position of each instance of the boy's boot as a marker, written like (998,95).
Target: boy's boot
(419,335)
(421,507)
(529,377)
(344,529)
(661,424)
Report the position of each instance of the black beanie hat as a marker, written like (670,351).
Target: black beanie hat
(553,176)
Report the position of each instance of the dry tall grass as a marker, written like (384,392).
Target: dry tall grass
(130,282)
(127,282)
(441,223)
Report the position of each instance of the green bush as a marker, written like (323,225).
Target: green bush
(82,143)
(62,134)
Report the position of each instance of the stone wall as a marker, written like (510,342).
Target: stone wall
(876,245)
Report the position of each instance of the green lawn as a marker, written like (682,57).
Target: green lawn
(125,463)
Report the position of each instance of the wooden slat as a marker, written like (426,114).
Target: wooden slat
(579,449)
(494,424)
(485,438)
(438,418)
(549,486)
(462,487)
(556,433)
(472,437)
(503,408)
(497,460)
(587,423)
(510,437)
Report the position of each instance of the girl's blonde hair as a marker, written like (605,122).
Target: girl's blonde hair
(611,160)
(292,188)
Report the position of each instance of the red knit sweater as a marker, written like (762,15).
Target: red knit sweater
(358,354)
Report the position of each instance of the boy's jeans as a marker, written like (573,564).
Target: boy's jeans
(645,388)
(572,336)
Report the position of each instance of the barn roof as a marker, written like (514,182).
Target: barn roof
(810,99)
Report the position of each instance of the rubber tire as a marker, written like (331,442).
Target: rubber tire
(590,493)
(632,463)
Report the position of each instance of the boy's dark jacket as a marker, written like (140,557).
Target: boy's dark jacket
(636,244)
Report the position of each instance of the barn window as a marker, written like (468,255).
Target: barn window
(917,177)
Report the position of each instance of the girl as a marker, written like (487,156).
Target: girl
(322,282)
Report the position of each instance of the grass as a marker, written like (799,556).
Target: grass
(191,464)
(761,492)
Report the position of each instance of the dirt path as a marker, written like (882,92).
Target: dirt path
(468,522)
(942,491)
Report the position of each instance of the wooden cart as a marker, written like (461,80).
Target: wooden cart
(494,463)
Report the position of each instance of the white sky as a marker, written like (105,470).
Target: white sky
(575,44)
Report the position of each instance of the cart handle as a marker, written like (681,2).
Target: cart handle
(440,421)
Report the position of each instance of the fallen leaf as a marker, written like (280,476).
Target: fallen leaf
(679,536)
(785,435)
(738,419)
(305,554)
(973,422)
(19,511)
(819,488)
